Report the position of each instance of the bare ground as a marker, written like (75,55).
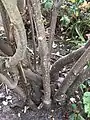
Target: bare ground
(8,98)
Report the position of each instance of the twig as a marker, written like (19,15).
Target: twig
(84,75)
(32,28)
(22,72)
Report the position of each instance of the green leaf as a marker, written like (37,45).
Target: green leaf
(79,33)
(80,117)
(74,106)
(73,9)
(82,86)
(74,116)
(80,1)
(88,81)
(86,102)
(65,20)
(48,4)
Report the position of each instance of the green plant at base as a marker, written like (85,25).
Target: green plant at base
(85,88)
(86,102)
(75,115)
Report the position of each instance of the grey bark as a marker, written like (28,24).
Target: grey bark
(84,75)
(72,57)
(74,72)
(44,52)
(21,41)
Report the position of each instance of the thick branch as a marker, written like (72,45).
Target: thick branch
(74,72)
(43,49)
(84,75)
(20,34)
(21,41)
(72,57)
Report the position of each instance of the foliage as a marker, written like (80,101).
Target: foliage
(85,87)
(65,20)
(86,96)
(75,21)
(47,4)
(86,102)
(76,114)
(82,86)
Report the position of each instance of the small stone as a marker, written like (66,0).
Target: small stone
(2,95)
(54,45)
(19,114)
(9,97)
(10,101)
(53,118)
(59,103)
(76,92)
(52,110)
(57,53)
(72,100)
(50,116)
(55,90)
(5,103)
(25,109)
(78,96)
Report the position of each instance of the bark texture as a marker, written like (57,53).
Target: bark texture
(43,49)
(52,27)
(74,72)
(21,42)
(71,57)
(84,75)
(20,34)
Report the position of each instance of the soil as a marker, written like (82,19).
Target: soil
(9,98)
